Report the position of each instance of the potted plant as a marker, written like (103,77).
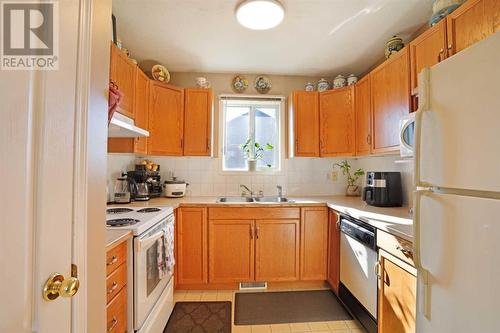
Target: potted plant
(352,188)
(254,151)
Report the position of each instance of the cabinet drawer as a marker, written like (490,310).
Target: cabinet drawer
(396,246)
(115,257)
(256,213)
(116,321)
(116,281)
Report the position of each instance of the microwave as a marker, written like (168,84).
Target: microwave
(407,136)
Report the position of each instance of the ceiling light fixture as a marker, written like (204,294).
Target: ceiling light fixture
(260,14)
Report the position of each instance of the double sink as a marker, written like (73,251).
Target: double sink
(252,199)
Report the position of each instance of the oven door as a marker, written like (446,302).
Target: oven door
(153,268)
(407,136)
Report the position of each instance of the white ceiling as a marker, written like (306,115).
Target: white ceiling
(317,37)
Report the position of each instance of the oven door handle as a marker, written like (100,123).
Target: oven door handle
(144,243)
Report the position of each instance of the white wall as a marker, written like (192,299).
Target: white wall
(300,176)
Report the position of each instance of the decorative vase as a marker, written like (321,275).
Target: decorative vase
(252,165)
(310,86)
(393,45)
(352,79)
(353,191)
(339,81)
(323,85)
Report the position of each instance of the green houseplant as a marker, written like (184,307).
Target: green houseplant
(254,151)
(352,188)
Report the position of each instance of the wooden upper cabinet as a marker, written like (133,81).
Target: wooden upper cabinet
(122,72)
(362,103)
(277,250)
(304,121)
(390,93)
(314,243)
(192,245)
(337,122)
(166,119)
(197,121)
(333,276)
(396,298)
(473,21)
(141,110)
(231,251)
(427,50)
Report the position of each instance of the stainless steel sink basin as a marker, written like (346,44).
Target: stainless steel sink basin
(271,199)
(235,199)
(255,199)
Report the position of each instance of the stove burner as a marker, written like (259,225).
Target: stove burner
(118,210)
(120,222)
(148,210)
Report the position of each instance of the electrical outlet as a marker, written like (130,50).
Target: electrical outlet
(335,175)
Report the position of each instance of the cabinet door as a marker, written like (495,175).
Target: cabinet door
(277,250)
(390,91)
(427,50)
(469,24)
(337,122)
(166,119)
(122,72)
(313,243)
(397,298)
(363,108)
(197,121)
(334,250)
(305,119)
(141,110)
(231,251)
(192,247)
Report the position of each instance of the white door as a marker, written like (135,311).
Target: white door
(42,168)
(460,248)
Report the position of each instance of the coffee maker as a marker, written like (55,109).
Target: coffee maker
(383,189)
(148,182)
(141,188)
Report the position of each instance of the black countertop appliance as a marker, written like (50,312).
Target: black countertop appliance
(383,189)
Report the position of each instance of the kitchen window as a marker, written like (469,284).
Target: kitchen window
(258,120)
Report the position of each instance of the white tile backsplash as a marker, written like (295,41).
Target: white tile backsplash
(300,176)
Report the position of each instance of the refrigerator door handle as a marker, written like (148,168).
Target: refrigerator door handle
(423,100)
(417,258)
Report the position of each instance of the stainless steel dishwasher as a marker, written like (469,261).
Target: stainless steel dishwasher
(358,281)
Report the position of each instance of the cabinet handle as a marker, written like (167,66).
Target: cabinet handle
(368,139)
(113,325)
(406,251)
(337,223)
(257,233)
(182,143)
(377,269)
(450,49)
(251,232)
(208,145)
(113,260)
(440,55)
(113,287)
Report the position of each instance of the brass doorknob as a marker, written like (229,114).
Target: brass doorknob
(57,286)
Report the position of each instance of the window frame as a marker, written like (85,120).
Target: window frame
(257,101)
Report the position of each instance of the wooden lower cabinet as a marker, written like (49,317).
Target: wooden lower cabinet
(396,296)
(333,276)
(277,250)
(231,251)
(192,245)
(116,288)
(314,243)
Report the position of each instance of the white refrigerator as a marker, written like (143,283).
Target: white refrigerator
(457,198)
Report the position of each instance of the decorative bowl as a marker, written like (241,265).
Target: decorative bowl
(239,84)
(393,45)
(160,73)
(310,86)
(262,84)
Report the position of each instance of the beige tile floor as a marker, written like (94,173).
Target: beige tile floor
(341,326)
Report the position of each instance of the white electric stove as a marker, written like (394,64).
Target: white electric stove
(153,253)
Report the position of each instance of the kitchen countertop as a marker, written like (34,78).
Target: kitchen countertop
(394,220)
(115,237)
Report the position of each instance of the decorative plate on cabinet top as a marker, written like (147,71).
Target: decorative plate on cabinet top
(160,73)
(262,84)
(239,84)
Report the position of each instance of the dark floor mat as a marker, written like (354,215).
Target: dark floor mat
(200,317)
(288,307)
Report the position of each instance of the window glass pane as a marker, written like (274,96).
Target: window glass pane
(236,132)
(267,131)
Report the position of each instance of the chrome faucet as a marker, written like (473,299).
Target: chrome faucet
(245,188)
(280,191)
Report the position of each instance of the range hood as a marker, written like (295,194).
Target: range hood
(123,127)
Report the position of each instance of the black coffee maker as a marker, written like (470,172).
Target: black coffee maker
(383,189)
